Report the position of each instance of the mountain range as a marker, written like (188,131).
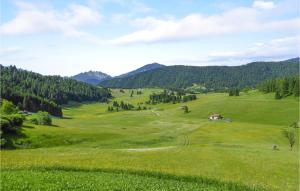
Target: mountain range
(95,77)
(213,77)
(141,69)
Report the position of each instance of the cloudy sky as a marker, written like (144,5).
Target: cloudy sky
(116,36)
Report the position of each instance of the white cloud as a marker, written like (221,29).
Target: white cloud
(238,20)
(33,19)
(264,4)
(140,7)
(276,49)
(7,51)
(134,7)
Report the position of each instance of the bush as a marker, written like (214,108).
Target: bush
(7,107)
(41,118)
(2,142)
(10,120)
(10,123)
(34,121)
(16,119)
(5,124)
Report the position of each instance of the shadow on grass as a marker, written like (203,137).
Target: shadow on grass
(54,125)
(28,126)
(221,185)
(65,117)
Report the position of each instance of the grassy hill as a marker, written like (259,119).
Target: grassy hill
(216,77)
(161,148)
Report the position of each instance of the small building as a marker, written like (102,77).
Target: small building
(215,117)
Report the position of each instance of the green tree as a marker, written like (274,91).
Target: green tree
(289,133)
(296,91)
(285,87)
(7,107)
(277,95)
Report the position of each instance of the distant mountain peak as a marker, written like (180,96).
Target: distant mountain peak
(91,77)
(144,68)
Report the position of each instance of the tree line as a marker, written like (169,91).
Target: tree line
(118,106)
(169,96)
(234,92)
(33,92)
(282,87)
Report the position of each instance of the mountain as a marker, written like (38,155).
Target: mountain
(215,77)
(34,92)
(141,69)
(91,77)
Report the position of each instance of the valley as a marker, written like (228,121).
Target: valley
(160,148)
(141,95)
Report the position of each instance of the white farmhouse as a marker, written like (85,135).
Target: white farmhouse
(215,117)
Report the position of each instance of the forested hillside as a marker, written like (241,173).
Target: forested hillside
(33,92)
(216,77)
(282,87)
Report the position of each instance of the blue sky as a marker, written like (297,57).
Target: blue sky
(116,36)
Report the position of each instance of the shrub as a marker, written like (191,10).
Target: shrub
(10,123)
(34,121)
(2,142)
(5,124)
(16,119)
(7,107)
(41,118)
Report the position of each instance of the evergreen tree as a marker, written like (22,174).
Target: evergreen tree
(277,95)
(296,91)
(285,87)
(282,87)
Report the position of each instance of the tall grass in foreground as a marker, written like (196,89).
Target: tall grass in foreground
(62,178)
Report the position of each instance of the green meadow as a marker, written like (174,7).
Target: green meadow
(161,148)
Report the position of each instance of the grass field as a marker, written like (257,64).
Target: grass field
(160,148)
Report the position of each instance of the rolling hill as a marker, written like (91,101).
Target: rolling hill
(91,77)
(216,77)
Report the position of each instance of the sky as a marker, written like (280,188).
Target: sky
(55,37)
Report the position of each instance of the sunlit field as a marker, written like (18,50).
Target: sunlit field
(161,148)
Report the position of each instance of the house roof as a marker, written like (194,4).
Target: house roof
(215,115)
